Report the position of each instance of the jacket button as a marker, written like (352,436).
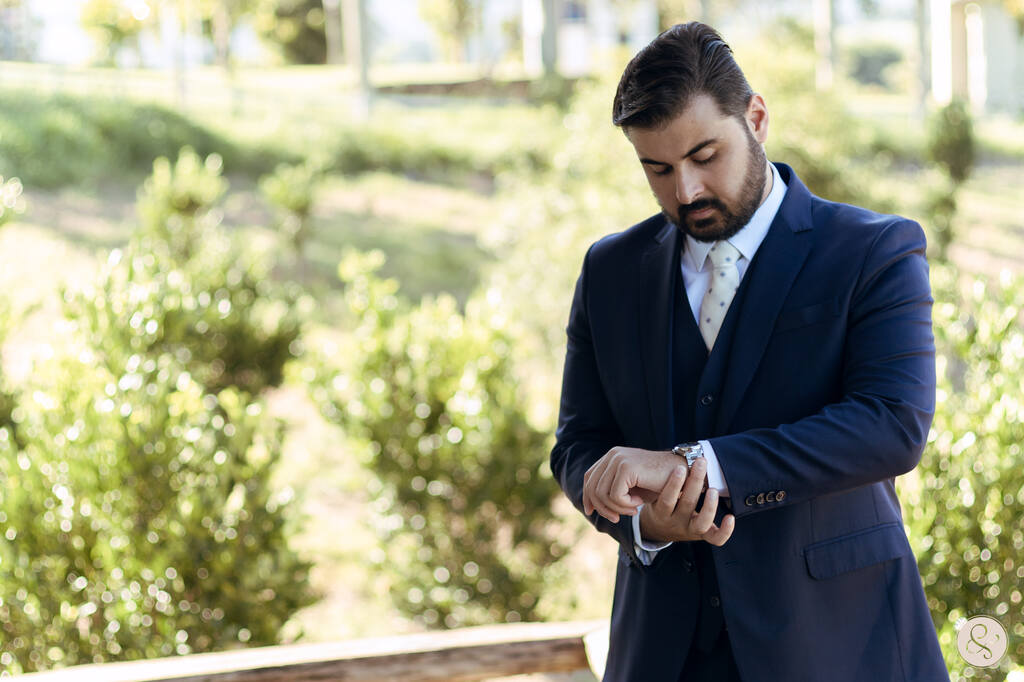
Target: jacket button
(760,498)
(780,496)
(770,497)
(714,602)
(707,400)
(750,501)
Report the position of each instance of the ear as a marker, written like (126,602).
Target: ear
(757,118)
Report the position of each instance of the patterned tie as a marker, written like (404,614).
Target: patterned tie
(725,279)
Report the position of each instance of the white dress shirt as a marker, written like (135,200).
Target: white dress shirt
(697,270)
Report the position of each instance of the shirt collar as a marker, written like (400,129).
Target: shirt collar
(749,238)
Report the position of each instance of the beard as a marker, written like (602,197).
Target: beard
(729,220)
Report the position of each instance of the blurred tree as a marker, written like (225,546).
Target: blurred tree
(951,145)
(454,22)
(219,19)
(116,25)
(296,27)
(1016,10)
(19,31)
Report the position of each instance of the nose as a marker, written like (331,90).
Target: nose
(688,186)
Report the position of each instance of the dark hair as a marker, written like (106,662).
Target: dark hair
(686,60)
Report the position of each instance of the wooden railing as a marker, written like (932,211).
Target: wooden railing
(453,656)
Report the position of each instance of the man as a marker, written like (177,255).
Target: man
(746,373)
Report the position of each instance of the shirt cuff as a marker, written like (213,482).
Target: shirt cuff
(645,551)
(716,479)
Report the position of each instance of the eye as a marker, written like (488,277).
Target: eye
(663,171)
(705,161)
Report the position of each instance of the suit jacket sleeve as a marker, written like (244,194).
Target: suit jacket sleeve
(878,428)
(587,428)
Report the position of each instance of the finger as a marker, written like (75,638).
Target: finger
(719,535)
(705,519)
(670,493)
(590,479)
(612,491)
(622,494)
(691,490)
(645,495)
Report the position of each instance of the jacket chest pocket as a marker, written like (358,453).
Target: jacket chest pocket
(803,316)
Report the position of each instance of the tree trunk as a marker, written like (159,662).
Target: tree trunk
(357,53)
(221,25)
(332,31)
(824,43)
(924,84)
(549,38)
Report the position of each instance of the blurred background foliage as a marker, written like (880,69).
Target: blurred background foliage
(314,357)
(465,495)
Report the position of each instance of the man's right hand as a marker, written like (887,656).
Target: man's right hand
(674,516)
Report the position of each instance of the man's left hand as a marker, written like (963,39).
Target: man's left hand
(625,478)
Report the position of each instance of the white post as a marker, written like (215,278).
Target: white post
(357,52)
(824,43)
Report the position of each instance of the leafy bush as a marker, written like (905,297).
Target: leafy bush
(67,139)
(139,519)
(869,62)
(429,155)
(965,503)
(12,203)
(292,189)
(464,504)
(185,288)
(951,141)
(7,398)
(135,471)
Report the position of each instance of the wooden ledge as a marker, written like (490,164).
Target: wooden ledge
(447,656)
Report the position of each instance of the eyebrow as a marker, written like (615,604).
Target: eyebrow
(696,148)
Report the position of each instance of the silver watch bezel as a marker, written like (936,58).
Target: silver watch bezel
(691,452)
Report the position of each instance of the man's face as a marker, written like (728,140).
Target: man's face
(708,171)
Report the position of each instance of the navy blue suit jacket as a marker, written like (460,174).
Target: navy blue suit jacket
(828,394)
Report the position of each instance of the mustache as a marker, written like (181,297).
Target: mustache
(700,205)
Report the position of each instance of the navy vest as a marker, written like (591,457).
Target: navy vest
(697,377)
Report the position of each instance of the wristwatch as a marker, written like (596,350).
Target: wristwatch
(691,452)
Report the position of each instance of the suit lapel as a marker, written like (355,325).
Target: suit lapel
(771,275)
(657,280)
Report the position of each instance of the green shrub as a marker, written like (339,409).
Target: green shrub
(136,499)
(869,63)
(965,502)
(292,190)
(185,288)
(139,518)
(951,141)
(59,140)
(219,315)
(7,399)
(12,203)
(175,204)
(465,495)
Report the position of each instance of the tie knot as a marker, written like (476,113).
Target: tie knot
(723,254)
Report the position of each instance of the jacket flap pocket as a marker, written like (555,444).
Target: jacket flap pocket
(830,558)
